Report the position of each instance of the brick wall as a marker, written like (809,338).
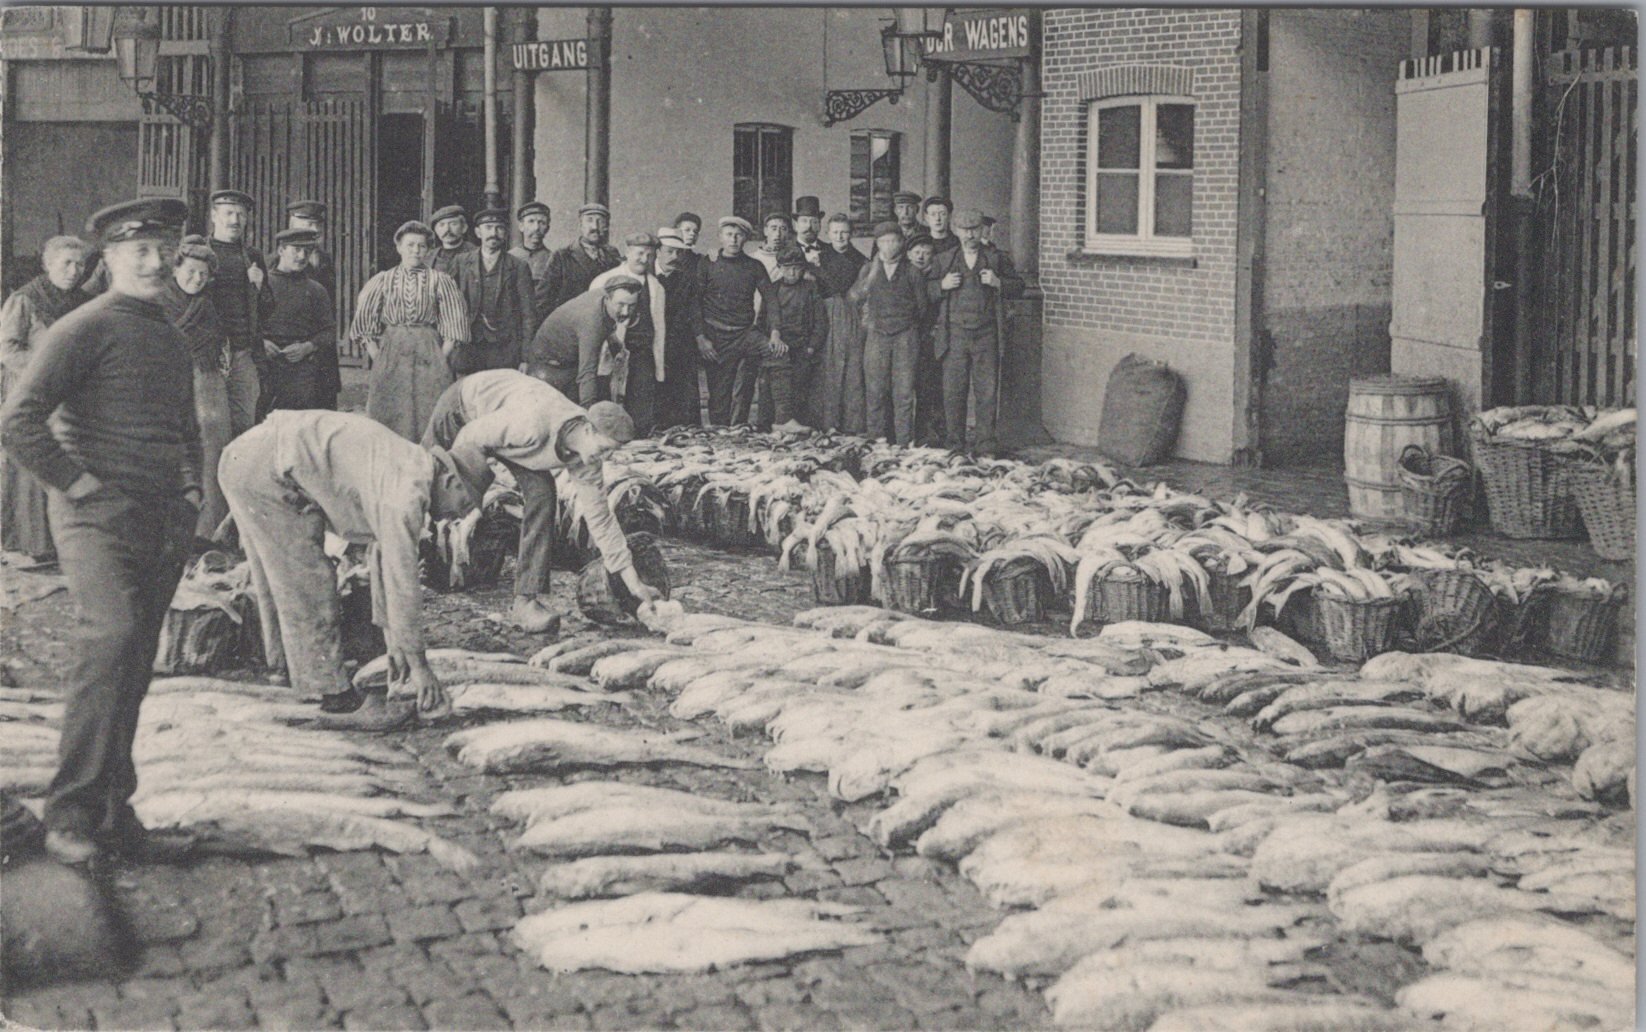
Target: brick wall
(1098,308)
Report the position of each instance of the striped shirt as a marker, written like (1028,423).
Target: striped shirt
(410,297)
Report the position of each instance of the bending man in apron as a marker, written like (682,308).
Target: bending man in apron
(300,473)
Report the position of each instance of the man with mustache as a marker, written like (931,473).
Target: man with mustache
(238,290)
(574,267)
(534,220)
(497,289)
(451,229)
(104,417)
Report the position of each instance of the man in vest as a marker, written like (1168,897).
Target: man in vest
(574,267)
(970,285)
(497,290)
(892,293)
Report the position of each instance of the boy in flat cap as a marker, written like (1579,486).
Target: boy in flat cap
(969,287)
(299,333)
(802,328)
(734,322)
(104,417)
(237,290)
(451,230)
(574,267)
(497,288)
(630,376)
(301,474)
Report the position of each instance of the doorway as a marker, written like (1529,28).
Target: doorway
(399,180)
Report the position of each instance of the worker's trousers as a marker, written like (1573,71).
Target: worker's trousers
(889,361)
(245,389)
(732,379)
(122,557)
(970,366)
(283,535)
(539,504)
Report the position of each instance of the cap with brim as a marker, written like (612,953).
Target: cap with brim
(448,212)
(668,236)
(413,226)
(239,197)
(905,197)
(968,218)
(297,238)
(594,209)
(740,223)
(918,239)
(153,218)
(942,202)
(779,216)
(532,208)
(613,420)
(887,229)
(988,220)
(307,209)
(469,463)
(624,282)
(641,240)
(791,256)
(497,215)
(197,247)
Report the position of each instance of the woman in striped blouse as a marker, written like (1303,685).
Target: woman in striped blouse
(410,319)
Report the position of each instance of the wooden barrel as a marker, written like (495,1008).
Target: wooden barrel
(1387,413)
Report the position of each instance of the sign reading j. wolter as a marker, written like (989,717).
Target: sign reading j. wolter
(985,35)
(371,28)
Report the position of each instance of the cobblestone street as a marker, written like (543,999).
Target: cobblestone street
(370,940)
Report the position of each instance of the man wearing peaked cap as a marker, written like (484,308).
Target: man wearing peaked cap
(572,337)
(630,374)
(969,287)
(906,206)
(104,417)
(533,219)
(451,229)
(238,290)
(312,215)
(497,289)
(299,347)
(574,267)
(239,197)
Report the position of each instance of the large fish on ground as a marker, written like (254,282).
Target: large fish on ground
(180,807)
(1298,1014)
(1363,718)
(534,804)
(530,698)
(1531,944)
(1517,1000)
(1029,863)
(549,745)
(1306,851)
(1415,908)
(1334,693)
(669,932)
(599,876)
(1130,999)
(577,662)
(970,821)
(626,671)
(649,829)
(447,663)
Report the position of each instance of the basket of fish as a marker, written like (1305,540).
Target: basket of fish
(921,583)
(1015,579)
(1125,593)
(1354,629)
(640,506)
(202,631)
(1519,452)
(1436,490)
(1455,611)
(726,518)
(1605,496)
(468,552)
(1015,592)
(1580,618)
(833,586)
(1227,596)
(689,517)
(605,599)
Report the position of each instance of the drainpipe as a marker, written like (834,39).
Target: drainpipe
(222,23)
(598,122)
(494,194)
(939,117)
(1522,207)
(522,184)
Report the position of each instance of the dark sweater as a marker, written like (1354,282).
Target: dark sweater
(196,318)
(801,318)
(891,306)
(726,292)
(297,308)
(117,375)
(838,269)
(233,295)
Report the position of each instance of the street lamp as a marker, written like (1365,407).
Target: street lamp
(137,56)
(900,47)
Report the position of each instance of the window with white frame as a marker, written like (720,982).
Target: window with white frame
(1140,176)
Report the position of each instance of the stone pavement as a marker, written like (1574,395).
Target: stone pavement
(369,940)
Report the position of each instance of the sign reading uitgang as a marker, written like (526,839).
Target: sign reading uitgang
(552,55)
(984,35)
(371,28)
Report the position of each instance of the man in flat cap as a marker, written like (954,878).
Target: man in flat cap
(778,231)
(533,220)
(892,293)
(802,325)
(451,230)
(631,376)
(969,287)
(537,432)
(571,339)
(299,332)
(678,401)
(301,474)
(237,290)
(497,289)
(574,267)
(906,208)
(311,215)
(104,417)
(938,211)
(734,322)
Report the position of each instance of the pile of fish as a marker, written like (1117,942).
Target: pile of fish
(866,505)
(1166,865)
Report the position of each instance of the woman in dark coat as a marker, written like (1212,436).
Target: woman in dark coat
(192,312)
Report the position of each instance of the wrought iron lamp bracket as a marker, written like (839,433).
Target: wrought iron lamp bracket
(843,105)
(191,109)
(996,87)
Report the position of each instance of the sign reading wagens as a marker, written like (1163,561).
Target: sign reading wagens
(977,35)
(553,55)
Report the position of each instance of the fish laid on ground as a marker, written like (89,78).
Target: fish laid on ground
(549,745)
(1602,771)
(1363,718)
(1127,791)
(1334,749)
(1196,670)
(1129,1000)
(687,629)
(1299,1014)
(1273,806)
(153,781)
(1534,944)
(671,932)
(640,828)
(530,698)
(376,672)
(626,671)
(1140,634)
(600,876)
(926,791)
(840,621)
(1209,757)
(1192,809)
(1029,863)
(703,693)
(1305,852)
(1388,866)
(530,805)
(291,831)
(1272,681)
(179,807)
(1435,765)
(1515,1001)
(1415,908)
(577,662)
(44,712)
(1303,697)
(869,767)
(1558,727)
(970,821)
(1278,645)
(762,703)
(672,677)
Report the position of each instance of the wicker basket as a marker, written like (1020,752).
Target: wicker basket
(831,587)
(729,521)
(1436,490)
(1300,619)
(921,585)
(690,517)
(1527,491)
(1228,597)
(1015,592)
(198,641)
(1355,631)
(1117,599)
(1455,612)
(1607,502)
(1580,625)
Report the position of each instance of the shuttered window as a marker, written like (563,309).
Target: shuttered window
(875,174)
(762,170)
(1140,176)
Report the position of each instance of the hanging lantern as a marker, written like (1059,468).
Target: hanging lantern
(136,48)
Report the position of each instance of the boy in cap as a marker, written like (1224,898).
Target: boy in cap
(969,287)
(734,329)
(937,211)
(893,295)
(299,350)
(631,374)
(237,291)
(451,229)
(104,417)
(678,401)
(497,290)
(301,474)
(802,328)
(537,432)
(574,267)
